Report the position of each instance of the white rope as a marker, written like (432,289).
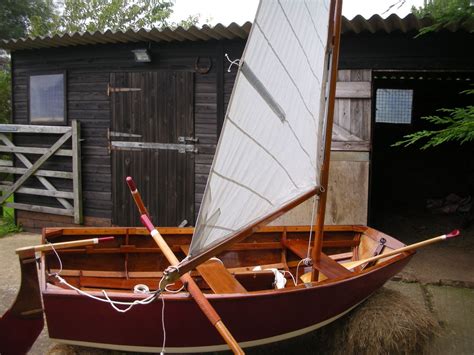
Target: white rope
(163,327)
(308,256)
(292,277)
(59,260)
(107,299)
(308,261)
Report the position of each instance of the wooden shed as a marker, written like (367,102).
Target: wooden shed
(151,104)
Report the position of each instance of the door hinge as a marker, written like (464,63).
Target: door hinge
(111,89)
(182,139)
(181,148)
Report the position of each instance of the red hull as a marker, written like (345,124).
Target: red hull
(254,318)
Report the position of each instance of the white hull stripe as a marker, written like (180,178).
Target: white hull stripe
(202,349)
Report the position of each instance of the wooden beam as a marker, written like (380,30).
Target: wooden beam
(40,192)
(361,146)
(35,166)
(47,173)
(35,150)
(353,90)
(6,162)
(76,170)
(17,128)
(42,209)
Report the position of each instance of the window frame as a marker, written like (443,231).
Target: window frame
(64,122)
(411,108)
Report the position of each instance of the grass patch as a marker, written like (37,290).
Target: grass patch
(7,221)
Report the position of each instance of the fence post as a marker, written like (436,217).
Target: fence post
(76,171)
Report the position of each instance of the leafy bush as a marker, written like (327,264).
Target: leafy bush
(5,96)
(8,224)
(459,124)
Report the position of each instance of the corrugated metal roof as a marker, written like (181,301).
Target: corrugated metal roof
(357,25)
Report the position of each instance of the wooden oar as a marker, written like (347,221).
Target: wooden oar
(136,196)
(186,279)
(63,245)
(353,264)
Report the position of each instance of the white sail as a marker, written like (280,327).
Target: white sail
(268,152)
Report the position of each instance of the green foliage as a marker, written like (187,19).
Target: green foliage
(115,15)
(8,224)
(459,124)
(5,96)
(99,15)
(18,16)
(444,13)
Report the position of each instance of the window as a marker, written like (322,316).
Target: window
(393,106)
(47,99)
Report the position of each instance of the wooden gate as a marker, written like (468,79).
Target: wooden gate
(152,140)
(60,179)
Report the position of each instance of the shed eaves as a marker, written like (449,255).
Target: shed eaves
(357,25)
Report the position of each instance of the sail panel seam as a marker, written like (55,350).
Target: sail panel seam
(312,21)
(264,149)
(248,188)
(299,42)
(257,25)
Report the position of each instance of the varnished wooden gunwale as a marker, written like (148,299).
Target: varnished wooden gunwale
(348,239)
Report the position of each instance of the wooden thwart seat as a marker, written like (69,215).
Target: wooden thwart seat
(327,266)
(219,279)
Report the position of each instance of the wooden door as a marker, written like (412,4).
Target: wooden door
(152,140)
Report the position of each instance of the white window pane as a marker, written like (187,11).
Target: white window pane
(47,98)
(393,106)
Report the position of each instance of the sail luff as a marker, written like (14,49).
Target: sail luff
(334,34)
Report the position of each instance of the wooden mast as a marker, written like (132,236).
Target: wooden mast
(334,39)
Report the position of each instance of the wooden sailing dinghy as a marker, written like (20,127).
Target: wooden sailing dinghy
(273,155)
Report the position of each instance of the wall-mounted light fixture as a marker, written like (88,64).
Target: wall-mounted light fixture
(141,56)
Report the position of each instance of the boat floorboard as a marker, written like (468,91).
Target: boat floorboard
(219,279)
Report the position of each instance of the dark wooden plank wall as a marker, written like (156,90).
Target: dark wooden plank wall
(441,50)
(88,73)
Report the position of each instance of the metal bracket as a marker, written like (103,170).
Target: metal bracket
(380,246)
(182,139)
(181,148)
(111,89)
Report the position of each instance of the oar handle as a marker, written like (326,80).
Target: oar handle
(64,245)
(452,234)
(136,195)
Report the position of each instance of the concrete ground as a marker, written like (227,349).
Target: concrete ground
(440,277)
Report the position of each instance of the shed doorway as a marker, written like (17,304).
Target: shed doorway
(152,140)
(408,185)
